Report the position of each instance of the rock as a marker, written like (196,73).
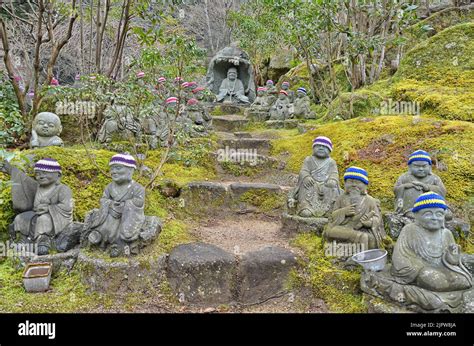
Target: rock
(264,273)
(259,146)
(117,276)
(239,189)
(280,64)
(282,124)
(293,224)
(229,123)
(69,238)
(169,188)
(243,134)
(213,194)
(377,306)
(201,273)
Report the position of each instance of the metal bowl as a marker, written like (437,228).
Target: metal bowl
(372,260)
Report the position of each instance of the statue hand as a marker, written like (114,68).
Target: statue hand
(330,184)
(291,203)
(309,182)
(366,220)
(350,210)
(42,209)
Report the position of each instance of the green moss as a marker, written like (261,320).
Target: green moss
(338,288)
(174,233)
(263,199)
(359,143)
(364,103)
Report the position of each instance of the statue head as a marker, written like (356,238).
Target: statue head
(322,146)
(356,180)
(47,172)
(429,211)
(301,92)
(261,91)
(282,95)
(269,83)
(232,73)
(122,167)
(47,124)
(285,85)
(419,164)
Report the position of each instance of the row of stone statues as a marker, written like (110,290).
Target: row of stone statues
(272,105)
(45,209)
(428,270)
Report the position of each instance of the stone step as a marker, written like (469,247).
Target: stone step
(259,146)
(229,123)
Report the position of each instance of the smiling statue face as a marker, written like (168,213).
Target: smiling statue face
(121,174)
(420,169)
(431,219)
(47,124)
(320,151)
(355,185)
(46,178)
(232,74)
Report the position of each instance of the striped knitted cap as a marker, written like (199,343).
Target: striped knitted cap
(261,89)
(357,173)
(321,140)
(178,79)
(429,200)
(198,89)
(124,160)
(47,165)
(303,90)
(140,74)
(269,81)
(54,82)
(285,83)
(419,155)
(161,80)
(284,92)
(191,84)
(171,99)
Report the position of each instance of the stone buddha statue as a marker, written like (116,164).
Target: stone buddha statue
(301,106)
(45,205)
(291,94)
(232,89)
(280,110)
(119,224)
(428,271)
(356,216)
(261,101)
(46,130)
(318,182)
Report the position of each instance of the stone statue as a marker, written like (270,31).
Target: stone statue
(118,120)
(291,94)
(46,130)
(261,101)
(301,107)
(203,95)
(45,205)
(231,57)
(410,186)
(318,182)
(231,89)
(149,125)
(201,121)
(356,216)
(120,223)
(427,270)
(281,108)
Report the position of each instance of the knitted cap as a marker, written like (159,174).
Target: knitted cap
(285,83)
(171,99)
(54,82)
(261,89)
(178,79)
(47,165)
(161,80)
(419,155)
(321,140)
(140,74)
(303,90)
(185,84)
(357,173)
(124,160)
(429,200)
(269,81)
(198,89)
(192,102)
(284,92)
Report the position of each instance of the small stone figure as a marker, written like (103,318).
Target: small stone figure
(356,216)
(232,89)
(120,223)
(301,106)
(318,182)
(291,94)
(149,124)
(261,101)
(45,205)
(410,186)
(281,108)
(270,86)
(46,130)
(427,271)
(201,120)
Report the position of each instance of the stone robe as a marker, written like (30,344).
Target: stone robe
(232,91)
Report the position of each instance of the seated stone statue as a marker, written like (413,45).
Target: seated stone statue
(410,186)
(261,101)
(301,107)
(45,205)
(119,121)
(291,94)
(318,182)
(427,268)
(356,216)
(232,89)
(46,130)
(120,223)
(201,120)
(280,110)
